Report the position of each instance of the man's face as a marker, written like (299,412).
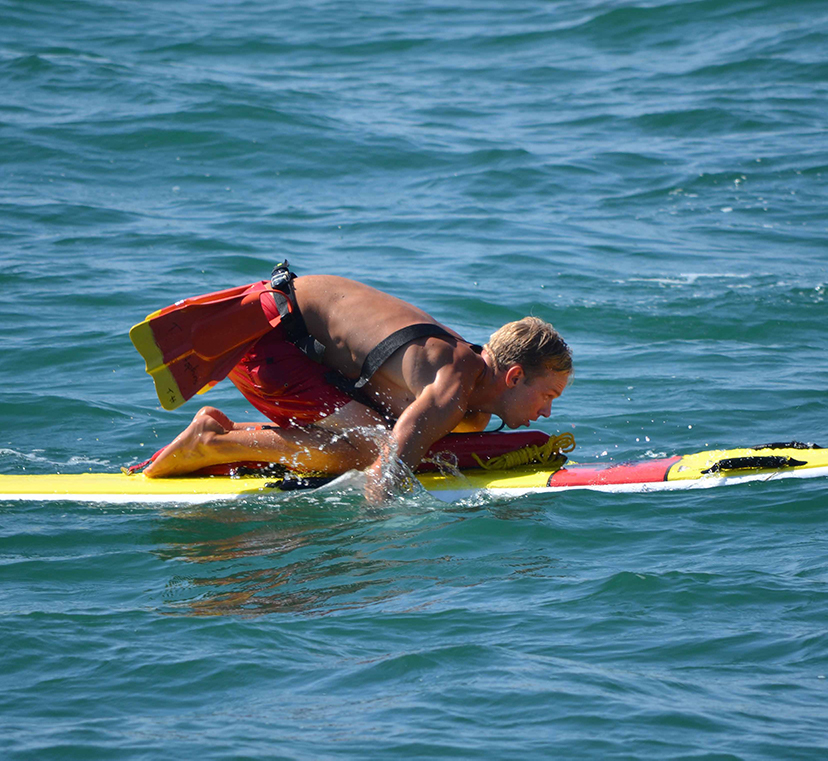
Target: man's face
(526,399)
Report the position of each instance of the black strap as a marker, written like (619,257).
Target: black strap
(378,356)
(282,302)
(788,445)
(754,462)
(294,323)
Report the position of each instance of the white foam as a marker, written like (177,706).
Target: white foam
(29,457)
(35,456)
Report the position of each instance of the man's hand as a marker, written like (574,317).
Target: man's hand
(378,485)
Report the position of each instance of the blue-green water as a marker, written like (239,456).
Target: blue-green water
(649,176)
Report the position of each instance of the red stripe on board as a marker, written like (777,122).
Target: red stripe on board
(646,471)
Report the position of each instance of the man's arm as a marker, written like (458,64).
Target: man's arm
(439,408)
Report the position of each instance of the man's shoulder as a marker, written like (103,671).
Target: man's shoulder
(451,356)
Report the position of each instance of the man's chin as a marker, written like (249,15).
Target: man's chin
(515,426)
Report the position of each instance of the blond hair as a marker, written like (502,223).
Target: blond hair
(531,343)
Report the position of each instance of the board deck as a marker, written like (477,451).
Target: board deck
(699,470)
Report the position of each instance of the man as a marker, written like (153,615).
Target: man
(393,366)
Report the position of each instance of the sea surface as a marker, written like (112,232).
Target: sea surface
(649,176)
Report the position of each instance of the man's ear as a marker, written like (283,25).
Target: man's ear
(514,375)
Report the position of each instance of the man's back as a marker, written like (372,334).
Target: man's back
(350,318)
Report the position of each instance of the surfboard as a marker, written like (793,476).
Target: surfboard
(692,471)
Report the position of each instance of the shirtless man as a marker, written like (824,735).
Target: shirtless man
(427,387)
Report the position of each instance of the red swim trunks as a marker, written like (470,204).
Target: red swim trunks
(284,384)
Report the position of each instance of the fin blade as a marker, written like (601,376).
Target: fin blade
(193,344)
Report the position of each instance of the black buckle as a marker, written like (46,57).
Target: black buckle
(281,276)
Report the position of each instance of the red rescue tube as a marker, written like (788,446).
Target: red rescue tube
(485,445)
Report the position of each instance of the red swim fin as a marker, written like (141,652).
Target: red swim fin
(193,344)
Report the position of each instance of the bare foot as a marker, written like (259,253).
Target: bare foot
(192,449)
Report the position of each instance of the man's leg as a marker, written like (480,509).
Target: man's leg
(348,438)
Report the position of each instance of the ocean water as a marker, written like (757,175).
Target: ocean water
(649,176)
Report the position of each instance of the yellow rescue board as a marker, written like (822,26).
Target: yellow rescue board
(700,470)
